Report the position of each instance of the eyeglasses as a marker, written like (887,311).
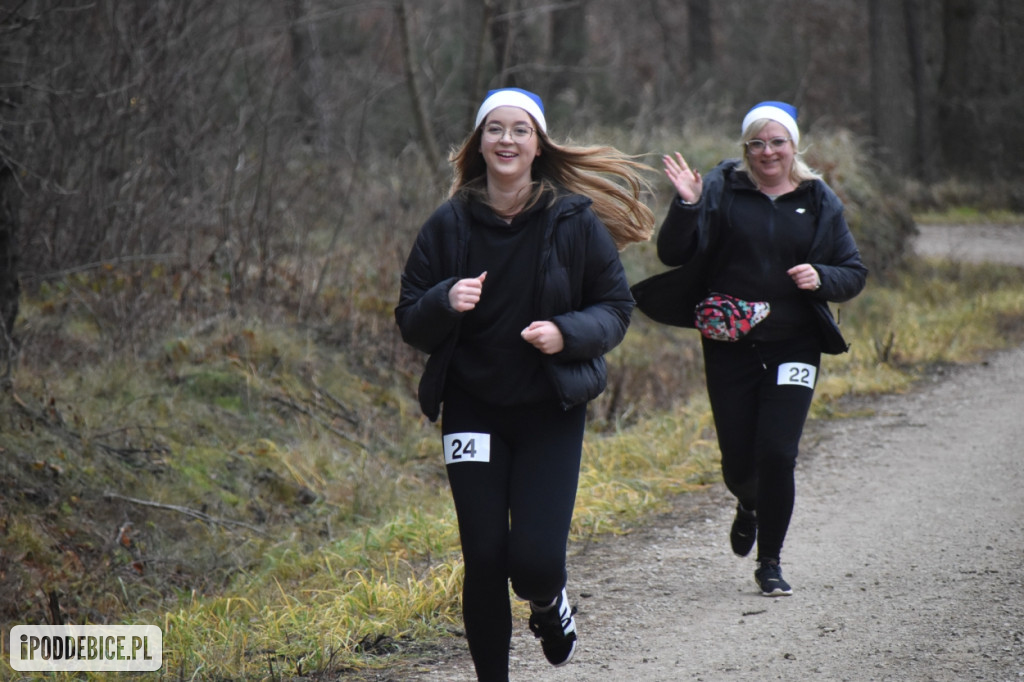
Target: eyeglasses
(757,146)
(495,132)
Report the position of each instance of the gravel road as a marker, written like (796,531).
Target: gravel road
(906,551)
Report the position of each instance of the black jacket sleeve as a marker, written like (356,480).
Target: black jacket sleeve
(597,322)
(424,315)
(836,257)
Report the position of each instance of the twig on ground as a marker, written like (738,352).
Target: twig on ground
(287,402)
(194,513)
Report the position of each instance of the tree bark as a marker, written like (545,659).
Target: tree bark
(891,103)
(10,201)
(568,46)
(921,162)
(304,89)
(10,289)
(419,106)
(476,91)
(702,51)
(955,110)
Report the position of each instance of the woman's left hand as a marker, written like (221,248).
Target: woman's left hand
(805,276)
(544,336)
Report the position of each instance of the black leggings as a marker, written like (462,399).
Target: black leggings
(514,510)
(759,411)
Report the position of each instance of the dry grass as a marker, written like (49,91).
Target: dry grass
(259,482)
(329,539)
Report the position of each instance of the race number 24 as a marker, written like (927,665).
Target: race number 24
(467,447)
(797,374)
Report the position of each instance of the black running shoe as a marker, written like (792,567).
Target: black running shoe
(769,578)
(744,531)
(556,629)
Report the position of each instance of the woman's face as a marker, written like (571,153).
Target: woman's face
(509,143)
(772,165)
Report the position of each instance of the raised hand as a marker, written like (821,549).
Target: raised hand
(687,181)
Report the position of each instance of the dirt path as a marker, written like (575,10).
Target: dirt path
(906,554)
(973,243)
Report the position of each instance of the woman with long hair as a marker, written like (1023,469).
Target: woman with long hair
(515,289)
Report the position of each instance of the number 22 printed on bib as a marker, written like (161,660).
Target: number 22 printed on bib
(797,374)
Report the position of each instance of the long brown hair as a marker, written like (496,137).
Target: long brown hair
(614,181)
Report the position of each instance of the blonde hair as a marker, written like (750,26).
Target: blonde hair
(614,181)
(799,172)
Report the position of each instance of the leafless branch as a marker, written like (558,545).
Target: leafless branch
(187,511)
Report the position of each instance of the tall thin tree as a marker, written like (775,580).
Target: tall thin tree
(10,200)
(419,105)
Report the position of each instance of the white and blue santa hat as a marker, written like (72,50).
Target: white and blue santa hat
(513,97)
(780,112)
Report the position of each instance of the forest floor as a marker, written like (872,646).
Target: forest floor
(906,550)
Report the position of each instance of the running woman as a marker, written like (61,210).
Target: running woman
(515,289)
(767,230)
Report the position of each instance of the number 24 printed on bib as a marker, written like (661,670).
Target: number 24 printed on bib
(467,447)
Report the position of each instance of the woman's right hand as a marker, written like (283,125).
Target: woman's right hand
(465,294)
(687,181)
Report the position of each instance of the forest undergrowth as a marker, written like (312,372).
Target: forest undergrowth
(250,471)
(276,504)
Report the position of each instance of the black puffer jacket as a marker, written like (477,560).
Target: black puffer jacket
(581,287)
(687,239)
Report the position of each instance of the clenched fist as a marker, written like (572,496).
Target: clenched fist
(465,294)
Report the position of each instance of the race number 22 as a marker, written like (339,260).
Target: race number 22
(467,447)
(797,374)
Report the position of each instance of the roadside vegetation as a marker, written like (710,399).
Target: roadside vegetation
(262,485)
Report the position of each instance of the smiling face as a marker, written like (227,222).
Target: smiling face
(508,156)
(771,167)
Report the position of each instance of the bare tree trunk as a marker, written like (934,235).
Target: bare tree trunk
(10,289)
(891,105)
(955,112)
(10,200)
(921,159)
(302,66)
(476,80)
(568,45)
(419,106)
(503,40)
(702,52)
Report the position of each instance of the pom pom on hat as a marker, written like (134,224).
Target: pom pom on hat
(513,97)
(780,112)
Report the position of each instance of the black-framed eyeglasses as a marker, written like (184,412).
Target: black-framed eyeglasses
(757,146)
(519,133)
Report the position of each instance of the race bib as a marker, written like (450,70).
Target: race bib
(467,447)
(797,374)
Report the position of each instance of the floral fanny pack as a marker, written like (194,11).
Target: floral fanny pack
(722,317)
